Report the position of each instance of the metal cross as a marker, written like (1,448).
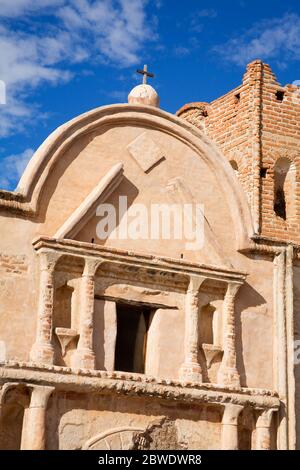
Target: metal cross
(145,74)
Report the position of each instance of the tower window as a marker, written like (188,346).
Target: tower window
(263,172)
(131,344)
(284,188)
(279,95)
(237,98)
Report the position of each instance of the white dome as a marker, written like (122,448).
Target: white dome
(144,94)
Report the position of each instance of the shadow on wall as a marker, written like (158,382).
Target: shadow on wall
(247,297)
(89,232)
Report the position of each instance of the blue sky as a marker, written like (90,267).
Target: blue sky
(60,58)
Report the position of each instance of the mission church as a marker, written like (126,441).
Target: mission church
(142,343)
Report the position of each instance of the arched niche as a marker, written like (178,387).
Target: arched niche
(284,188)
(66,311)
(15,402)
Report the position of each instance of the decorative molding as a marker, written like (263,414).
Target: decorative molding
(129,384)
(144,261)
(87,208)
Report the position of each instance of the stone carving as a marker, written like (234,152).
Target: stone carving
(65,337)
(145,152)
(115,439)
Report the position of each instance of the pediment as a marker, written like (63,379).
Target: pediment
(150,157)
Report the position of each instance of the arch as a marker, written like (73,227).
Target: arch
(14,400)
(121,438)
(284,188)
(40,166)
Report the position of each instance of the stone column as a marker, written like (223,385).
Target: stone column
(191,369)
(263,430)
(42,351)
(84,357)
(228,374)
(230,426)
(34,423)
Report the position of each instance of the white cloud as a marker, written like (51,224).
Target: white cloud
(12,168)
(13,8)
(118,29)
(111,31)
(278,38)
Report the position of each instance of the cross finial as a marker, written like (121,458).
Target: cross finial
(145,74)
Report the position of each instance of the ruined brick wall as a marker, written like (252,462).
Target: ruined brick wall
(257,127)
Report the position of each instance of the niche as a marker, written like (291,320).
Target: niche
(211,337)
(62,324)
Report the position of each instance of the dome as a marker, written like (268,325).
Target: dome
(144,94)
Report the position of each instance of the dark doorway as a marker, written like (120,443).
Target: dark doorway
(132,327)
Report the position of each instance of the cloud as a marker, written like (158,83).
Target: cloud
(277,38)
(207,13)
(117,29)
(182,51)
(196,19)
(26,62)
(78,31)
(13,8)
(12,168)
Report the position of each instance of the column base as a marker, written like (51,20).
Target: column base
(42,353)
(191,372)
(84,359)
(229,377)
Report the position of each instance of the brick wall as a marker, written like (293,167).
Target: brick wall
(255,125)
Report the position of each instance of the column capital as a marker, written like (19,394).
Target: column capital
(91,265)
(231,414)
(195,282)
(265,418)
(233,288)
(39,395)
(48,259)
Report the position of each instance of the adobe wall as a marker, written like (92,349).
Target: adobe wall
(74,419)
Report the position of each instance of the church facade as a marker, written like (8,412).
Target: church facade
(115,334)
